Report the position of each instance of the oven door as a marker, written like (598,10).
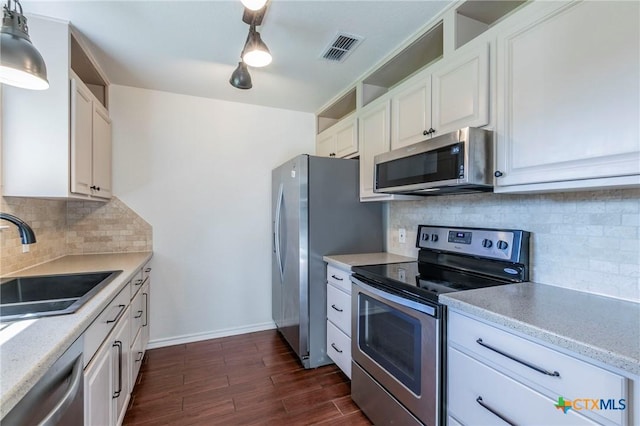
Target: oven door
(397,342)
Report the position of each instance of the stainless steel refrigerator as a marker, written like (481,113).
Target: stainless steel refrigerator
(316,211)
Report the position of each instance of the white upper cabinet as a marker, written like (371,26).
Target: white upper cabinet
(568,104)
(411,109)
(48,136)
(374,139)
(90,143)
(339,140)
(460,91)
(448,96)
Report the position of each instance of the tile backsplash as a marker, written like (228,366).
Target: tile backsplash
(65,227)
(587,241)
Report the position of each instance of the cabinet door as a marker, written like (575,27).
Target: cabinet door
(460,92)
(98,388)
(120,358)
(411,109)
(374,139)
(568,102)
(326,143)
(81,137)
(347,137)
(146,307)
(101,159)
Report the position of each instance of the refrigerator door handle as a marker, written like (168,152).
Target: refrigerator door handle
(277,231)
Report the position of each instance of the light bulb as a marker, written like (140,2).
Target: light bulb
(254,4)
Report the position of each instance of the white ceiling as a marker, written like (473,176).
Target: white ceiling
(192,47)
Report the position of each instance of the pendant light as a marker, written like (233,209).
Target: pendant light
(241,78)
(255,52)
(21,64)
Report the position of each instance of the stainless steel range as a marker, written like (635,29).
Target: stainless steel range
(398,325)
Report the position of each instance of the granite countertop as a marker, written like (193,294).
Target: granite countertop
(26,356)
(346,261)
(601,328)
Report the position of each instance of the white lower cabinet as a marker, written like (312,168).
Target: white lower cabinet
(339,317)
(106,378)
(496,377)
(114,345)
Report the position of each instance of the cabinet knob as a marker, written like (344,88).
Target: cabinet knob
(95,188)
(498,173)
(425,133)
(432,130)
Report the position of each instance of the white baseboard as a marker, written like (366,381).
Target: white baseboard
(196,337)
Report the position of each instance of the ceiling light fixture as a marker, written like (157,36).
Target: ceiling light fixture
(241,78)
(254,4)
(255,52)
(21,64)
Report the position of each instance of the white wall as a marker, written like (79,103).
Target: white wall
(199,171)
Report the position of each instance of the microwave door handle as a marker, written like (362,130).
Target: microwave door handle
(277,233)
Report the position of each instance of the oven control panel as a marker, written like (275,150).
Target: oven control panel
(490,243)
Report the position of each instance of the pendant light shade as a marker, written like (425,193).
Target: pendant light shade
(241,78)
(21,64)
(254,4)
(255,52)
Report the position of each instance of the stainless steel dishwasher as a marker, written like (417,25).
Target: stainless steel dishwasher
(57,398)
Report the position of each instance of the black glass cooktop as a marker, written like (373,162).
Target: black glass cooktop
(423,279)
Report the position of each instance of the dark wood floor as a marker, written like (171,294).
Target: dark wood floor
(240,380)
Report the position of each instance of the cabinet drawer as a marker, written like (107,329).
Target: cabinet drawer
(146,271)
(575,379)
(339,348)
(137,314)
(100,328)
(136,283)
(137,353)
(339,278)
(469,380)
(339,308)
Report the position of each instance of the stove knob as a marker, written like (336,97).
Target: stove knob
(434,237)
(502,245)
(486,243)
(425,237)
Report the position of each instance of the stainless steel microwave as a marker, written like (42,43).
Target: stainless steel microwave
(456,162)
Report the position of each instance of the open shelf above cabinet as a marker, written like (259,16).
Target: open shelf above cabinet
(425,50)
(86,69)
(345,105)
(474,17)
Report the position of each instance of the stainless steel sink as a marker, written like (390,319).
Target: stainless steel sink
(32,297)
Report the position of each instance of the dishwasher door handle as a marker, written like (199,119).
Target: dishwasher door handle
(54,415)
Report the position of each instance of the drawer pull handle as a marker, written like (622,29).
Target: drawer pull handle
(146,309)
(333,345)
(139,314)
(138,282)
(117,316)
(516,359)
(140,356)
(492,411)
(118,344)
(337,278)
(337,309)
(147,270)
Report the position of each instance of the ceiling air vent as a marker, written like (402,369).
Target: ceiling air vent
(341,46)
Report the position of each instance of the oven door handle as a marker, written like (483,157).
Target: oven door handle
(411,304)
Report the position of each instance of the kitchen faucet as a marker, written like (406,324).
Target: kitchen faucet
(26,233)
